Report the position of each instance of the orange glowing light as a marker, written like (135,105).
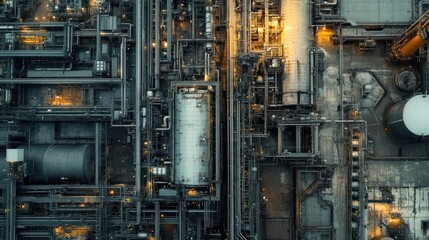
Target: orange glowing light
(323,35)
(192,192)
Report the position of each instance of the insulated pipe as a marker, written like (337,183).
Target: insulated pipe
(329,3)
(137,115)
(166,124)
(406,51)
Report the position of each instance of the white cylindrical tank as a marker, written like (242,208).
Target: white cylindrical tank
(192,137)
(409,118)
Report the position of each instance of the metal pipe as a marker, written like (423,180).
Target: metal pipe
(148,46)
(312,74)
(98,36)
(40,81)
(217,144)
(298,131)
(169,30)
(315,129)
(12,209)
(144,61)
(67,39)
(193,20)
(157,220)
(395,158)
(332,3)
(18,25)
(33,53)
(245,25)
(166,124)
(157,45)
(97,153)
(205,65)
(137,115)
(123,68)
(93,33)
(279,140)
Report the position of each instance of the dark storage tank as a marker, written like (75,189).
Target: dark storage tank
(59,162)
(409,118)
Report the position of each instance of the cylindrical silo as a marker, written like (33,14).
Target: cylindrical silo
(60,162)
(192,128)
(409,118)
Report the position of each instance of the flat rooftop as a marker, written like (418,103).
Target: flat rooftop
(386,12)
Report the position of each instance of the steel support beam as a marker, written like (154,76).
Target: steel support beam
(137,106)
(97,152)
(157,221)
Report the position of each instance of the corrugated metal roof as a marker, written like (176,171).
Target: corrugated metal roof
(377,11)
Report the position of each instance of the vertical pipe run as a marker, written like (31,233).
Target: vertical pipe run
(279,140)
(193,19)
(157,47)
(97,153)
(266,32)
(231,38)
(12,208)
(98,39)
(316,139)
(181,222)
(298,131)
(244,24)
(137,115)
(217,137)
(312,73)
(157,220)
(149,46)
(169,30)
(124,109)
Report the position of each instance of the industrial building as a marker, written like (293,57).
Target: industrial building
(214,119)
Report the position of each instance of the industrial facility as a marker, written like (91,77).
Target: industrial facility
(214,119)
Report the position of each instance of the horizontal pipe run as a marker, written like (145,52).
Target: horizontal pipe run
(38,81)
(33,53)
(11,25)
(410,158)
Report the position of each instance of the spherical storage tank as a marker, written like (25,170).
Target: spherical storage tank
(192,137)
(60,162)
(409,118)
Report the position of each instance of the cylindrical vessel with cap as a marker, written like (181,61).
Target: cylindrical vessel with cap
(57,163)
(192,140)
(409,118)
